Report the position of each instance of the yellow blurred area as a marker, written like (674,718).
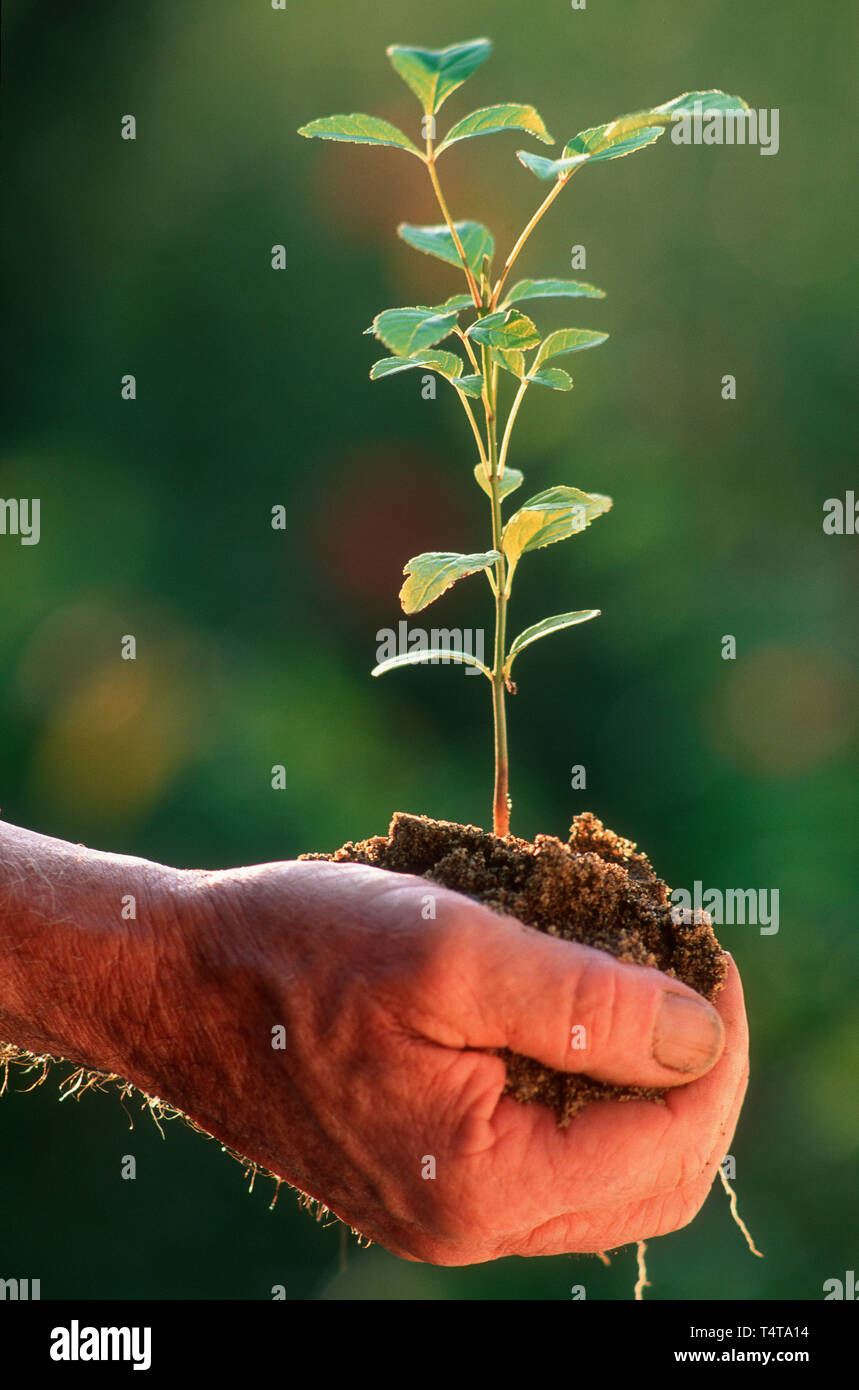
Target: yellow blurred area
(114,732)
(782,710)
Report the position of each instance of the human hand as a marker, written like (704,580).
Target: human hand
(383,1017)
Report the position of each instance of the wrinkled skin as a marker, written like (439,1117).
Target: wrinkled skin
(380,1012)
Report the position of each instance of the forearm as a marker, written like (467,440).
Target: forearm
(81,935)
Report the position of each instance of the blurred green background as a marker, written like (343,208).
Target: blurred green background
(255,646)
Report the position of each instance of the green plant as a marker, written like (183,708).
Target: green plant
(498,339)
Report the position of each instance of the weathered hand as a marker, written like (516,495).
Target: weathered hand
(382,1016)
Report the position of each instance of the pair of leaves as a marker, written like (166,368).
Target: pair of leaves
(513,332)
(433,73)
(563,340)
(506,329)
(551,516)
(409,332)
(361,129)
(531,634)
(626,134)
(510,480)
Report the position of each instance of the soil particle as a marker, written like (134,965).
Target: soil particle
(595,889)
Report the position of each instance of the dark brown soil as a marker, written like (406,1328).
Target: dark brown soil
(594,889)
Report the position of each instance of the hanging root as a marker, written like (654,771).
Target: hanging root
(642,1282)
(10,1055)
(732,1196)
(83,1079)
(601,1255)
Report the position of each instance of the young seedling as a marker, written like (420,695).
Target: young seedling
(499,342)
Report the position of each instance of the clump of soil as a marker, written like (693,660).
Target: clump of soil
(595,889)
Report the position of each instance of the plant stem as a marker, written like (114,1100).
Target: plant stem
(483,395)
(544,206)
(494,465)
(469,349)
(501,797)
(473,287)
(477,435)
(508,430)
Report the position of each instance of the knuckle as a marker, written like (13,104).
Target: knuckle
(443,952)
(596,1002)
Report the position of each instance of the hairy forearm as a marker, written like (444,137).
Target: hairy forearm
(81,934)
(125,967)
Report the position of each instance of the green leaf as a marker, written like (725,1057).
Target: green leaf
(429,575)
(567,340)
(554,377)
(407,331)
(447,364)
(684,105)
(419,658)
(711,100)
(511,478)
(549,168)
(506,329)
(549,289)
(454,303)
(358,130)
(533,634)
(471,385)
(433,73)
(513,362)
(626,134)
(550,516)
(491,120)
(476,241)
(597,143)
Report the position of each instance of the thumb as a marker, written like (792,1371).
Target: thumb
(578,1009)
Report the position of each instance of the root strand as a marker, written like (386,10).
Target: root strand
(736,1215)
(642,1282)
